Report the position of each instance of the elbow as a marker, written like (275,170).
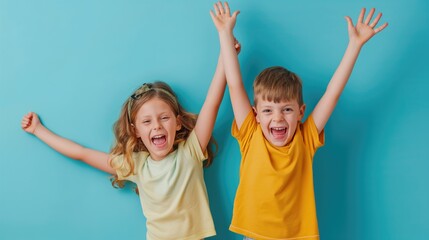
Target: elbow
(80,154)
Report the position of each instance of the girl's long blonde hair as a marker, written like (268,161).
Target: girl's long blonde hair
(126,139)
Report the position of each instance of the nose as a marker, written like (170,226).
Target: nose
(157,125)
(278,117)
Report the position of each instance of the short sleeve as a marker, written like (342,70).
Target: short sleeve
(312,138)
(244,134)
(123,168)
(193,145)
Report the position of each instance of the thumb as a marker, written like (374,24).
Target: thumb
(349,22)
(212,15)
(235,14)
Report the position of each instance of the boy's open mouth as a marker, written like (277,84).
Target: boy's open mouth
(278,132)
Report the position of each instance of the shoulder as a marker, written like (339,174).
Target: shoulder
(121,165)
(310,134)
(191,147)
(248,126)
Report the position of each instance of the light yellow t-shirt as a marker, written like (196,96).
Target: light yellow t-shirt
(275,195)
(172,192)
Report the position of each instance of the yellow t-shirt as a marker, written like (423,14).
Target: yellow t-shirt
(172,192)
(275,195)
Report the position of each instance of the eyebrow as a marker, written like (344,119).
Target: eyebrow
(282,106)
(162,113)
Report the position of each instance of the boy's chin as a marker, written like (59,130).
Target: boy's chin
(277,142)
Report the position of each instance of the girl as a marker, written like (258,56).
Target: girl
(161,148)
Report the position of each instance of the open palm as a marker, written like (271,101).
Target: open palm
(364,30)
(222,18)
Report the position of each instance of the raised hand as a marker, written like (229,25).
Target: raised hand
(222,18)
(364,30)
(30,122)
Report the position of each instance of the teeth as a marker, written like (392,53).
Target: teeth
(278,128)
(158,136)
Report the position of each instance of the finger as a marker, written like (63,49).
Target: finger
(25,123)
(220,7)
(216,9)
(368,18)
(379,29)
(349,22)
(238,47)
(361,15)
(212,15)
(227,10)
(31,116)
(235,14)
(375,22)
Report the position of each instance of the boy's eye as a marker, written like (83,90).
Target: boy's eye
(266,110)
(288,109)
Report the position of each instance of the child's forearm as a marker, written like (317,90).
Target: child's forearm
(230,59)
(217,86)
(344,70)
(216,90)
(59,144)
(73,150)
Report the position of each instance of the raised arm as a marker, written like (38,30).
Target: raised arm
(208,113)
(31,124)
(225,23)
(358,36)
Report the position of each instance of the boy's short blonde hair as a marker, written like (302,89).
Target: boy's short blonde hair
(277,84)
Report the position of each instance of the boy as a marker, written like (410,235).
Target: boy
(275,196)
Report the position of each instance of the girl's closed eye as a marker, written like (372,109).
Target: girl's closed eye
(146,122)
(165,118)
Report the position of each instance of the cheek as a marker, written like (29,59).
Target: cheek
(293,126)
(137,132)
(265,123)
(140,132)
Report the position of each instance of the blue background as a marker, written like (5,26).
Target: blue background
(76,62)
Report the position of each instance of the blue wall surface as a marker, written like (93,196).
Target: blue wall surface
(76,62)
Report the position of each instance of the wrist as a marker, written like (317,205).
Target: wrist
(355,45)
(225,32)
(37,130)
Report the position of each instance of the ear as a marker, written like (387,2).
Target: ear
(301,112)
(178,123)
(256,114)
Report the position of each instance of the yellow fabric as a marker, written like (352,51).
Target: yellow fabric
(275,196)
(172,192)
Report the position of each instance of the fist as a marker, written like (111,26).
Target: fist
(30,122)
